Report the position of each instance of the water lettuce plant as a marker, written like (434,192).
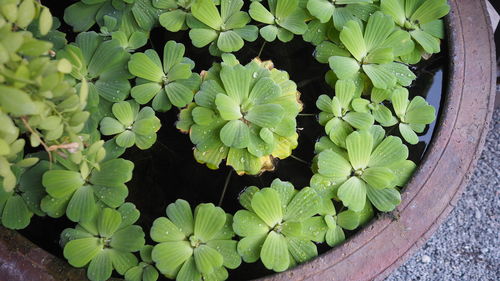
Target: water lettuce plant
(244,114)
(131,126)
(283,19)
(176,13)
(104,243)
(422,20)
(145,270)
(373,51)
(172,83)
(271,227)
(194,245)
(340,11)
(371,167)
(224,29)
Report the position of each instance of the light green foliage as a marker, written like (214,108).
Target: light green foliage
(145,270)
(114,15)
(336,116)
(131,126)
(194,245)
(18,206)
(167,84)
(283,19)
(224,28)
(340,11)
(83,183)
(274,225)
(422,20)
(105,243)
(371,167)
(375,106)
(37,101)
(244,114)
(413,115)
(373,52)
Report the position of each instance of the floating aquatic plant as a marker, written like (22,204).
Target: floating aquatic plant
(341,11)
(145,270)
(194,245)
(283,19)
(271,227)
(172,83)
(223,29)
(131,126)
(244,114)
(105,242)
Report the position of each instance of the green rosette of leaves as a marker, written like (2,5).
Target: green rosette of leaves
(145,270)
(223,29)
(373,53)
(131,126)
(194,246)
(244,114)
(283,19)
(105,243)
(336,114)
(172,83)
(341,11)
(422,20)
(376,107)
(371,167)
(176,13)
(123,15)
(272,226)
(79,189)
(413,116)
(18,205)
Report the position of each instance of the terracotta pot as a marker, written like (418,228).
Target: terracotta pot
(429,197)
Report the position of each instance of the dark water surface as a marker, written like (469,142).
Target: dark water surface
(168,171)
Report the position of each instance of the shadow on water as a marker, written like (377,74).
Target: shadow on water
(168,171)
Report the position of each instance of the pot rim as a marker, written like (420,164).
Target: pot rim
(384,244)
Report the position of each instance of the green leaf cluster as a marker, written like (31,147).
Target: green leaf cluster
(131,125)
(422,21)
(194,245)
(338,12)
(273,225)
(244,114)
(145,270)
(105,243)
(283,19)
(224,28)
(37,102)
(167,84)
(80,189)
(128,16)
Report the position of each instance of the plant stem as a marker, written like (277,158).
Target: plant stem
(261,49)
(27,125)
(226,183)
(307,114)
(306,82)
(300,160)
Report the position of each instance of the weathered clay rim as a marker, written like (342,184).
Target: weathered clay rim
(430,196)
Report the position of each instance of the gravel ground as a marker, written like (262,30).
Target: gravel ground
(467,245)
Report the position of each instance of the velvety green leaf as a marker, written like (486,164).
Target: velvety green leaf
(228,108)
(384,200)
(235,134)
(359,120)
(378,28)
(353,194)
(378,177)
(16,102)
(80,252)
(428,42)
(303,205)
(207,259)
(60,183)
(201,37)
(249,247)
(82,204)
(206,12)
(352,37)
(429,11)
(108,222)
(266,204)
(380,76)
(169,256)
(236,81)
(265,115)
(321,9)
(274,253)
(173,20)
(259,13)
(128,239)
(389,151)
(142,66)
(246,223)
(359,147)
(264,91)
(208,221)
(344,68)
(164,230)
(113,172)
(16,214)
(301,250)
(100,268)
(394,8)
(189,271)
(408,134)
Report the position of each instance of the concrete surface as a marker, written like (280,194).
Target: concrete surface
(467,246)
